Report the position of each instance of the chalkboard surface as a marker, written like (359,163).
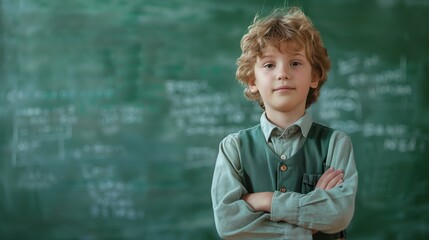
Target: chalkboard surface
(111,113)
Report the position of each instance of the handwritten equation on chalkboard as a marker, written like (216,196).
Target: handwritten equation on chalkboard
(57,143)
(199,111)
(371,93)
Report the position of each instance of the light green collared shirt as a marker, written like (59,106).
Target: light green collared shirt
(293,215)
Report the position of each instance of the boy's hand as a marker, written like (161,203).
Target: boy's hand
(330,179)
(260,201)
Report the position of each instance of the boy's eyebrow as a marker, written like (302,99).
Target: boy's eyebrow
(265,56)
(293,54)
(297,53)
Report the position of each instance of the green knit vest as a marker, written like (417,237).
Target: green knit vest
(264,170)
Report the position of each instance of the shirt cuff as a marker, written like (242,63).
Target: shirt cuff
(284,207)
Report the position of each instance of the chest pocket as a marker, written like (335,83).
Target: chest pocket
(309,182)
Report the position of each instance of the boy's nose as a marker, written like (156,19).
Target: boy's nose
(282,73)
(282,77)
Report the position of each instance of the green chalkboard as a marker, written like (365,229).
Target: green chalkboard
(111,113)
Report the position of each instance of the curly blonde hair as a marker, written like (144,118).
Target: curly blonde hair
(282,25)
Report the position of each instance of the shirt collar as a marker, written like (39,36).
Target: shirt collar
(268,128)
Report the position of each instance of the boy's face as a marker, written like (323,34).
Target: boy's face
(283,78)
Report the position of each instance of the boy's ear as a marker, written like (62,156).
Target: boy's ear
(314,81)
(252,86)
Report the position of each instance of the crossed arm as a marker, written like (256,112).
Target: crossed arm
(261,201)
(329,208)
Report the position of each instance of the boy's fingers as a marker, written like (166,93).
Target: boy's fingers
(329,179)
(335,181)
(323,181)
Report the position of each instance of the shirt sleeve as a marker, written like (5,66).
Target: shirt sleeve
(234,218)
(328,211)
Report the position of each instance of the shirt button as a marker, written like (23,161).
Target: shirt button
(283,189)
(283,168)
(283,157)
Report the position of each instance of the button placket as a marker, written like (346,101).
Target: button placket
(282,167)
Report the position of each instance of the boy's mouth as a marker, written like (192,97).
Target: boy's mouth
(284,88)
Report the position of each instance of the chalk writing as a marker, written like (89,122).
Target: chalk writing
(379,129)
(377,80)
(405,144)
(111,197)
(334,102)
(34,125)
(113,117)
(200,156)
(394,137)
(19,95)
(367,77)
(348,126)
(198,110)
(97,151)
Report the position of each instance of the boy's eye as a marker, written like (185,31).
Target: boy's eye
(268,65)
(295,63)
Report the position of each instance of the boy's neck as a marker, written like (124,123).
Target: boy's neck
(284,119)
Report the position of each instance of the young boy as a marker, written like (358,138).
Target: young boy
(287,177)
